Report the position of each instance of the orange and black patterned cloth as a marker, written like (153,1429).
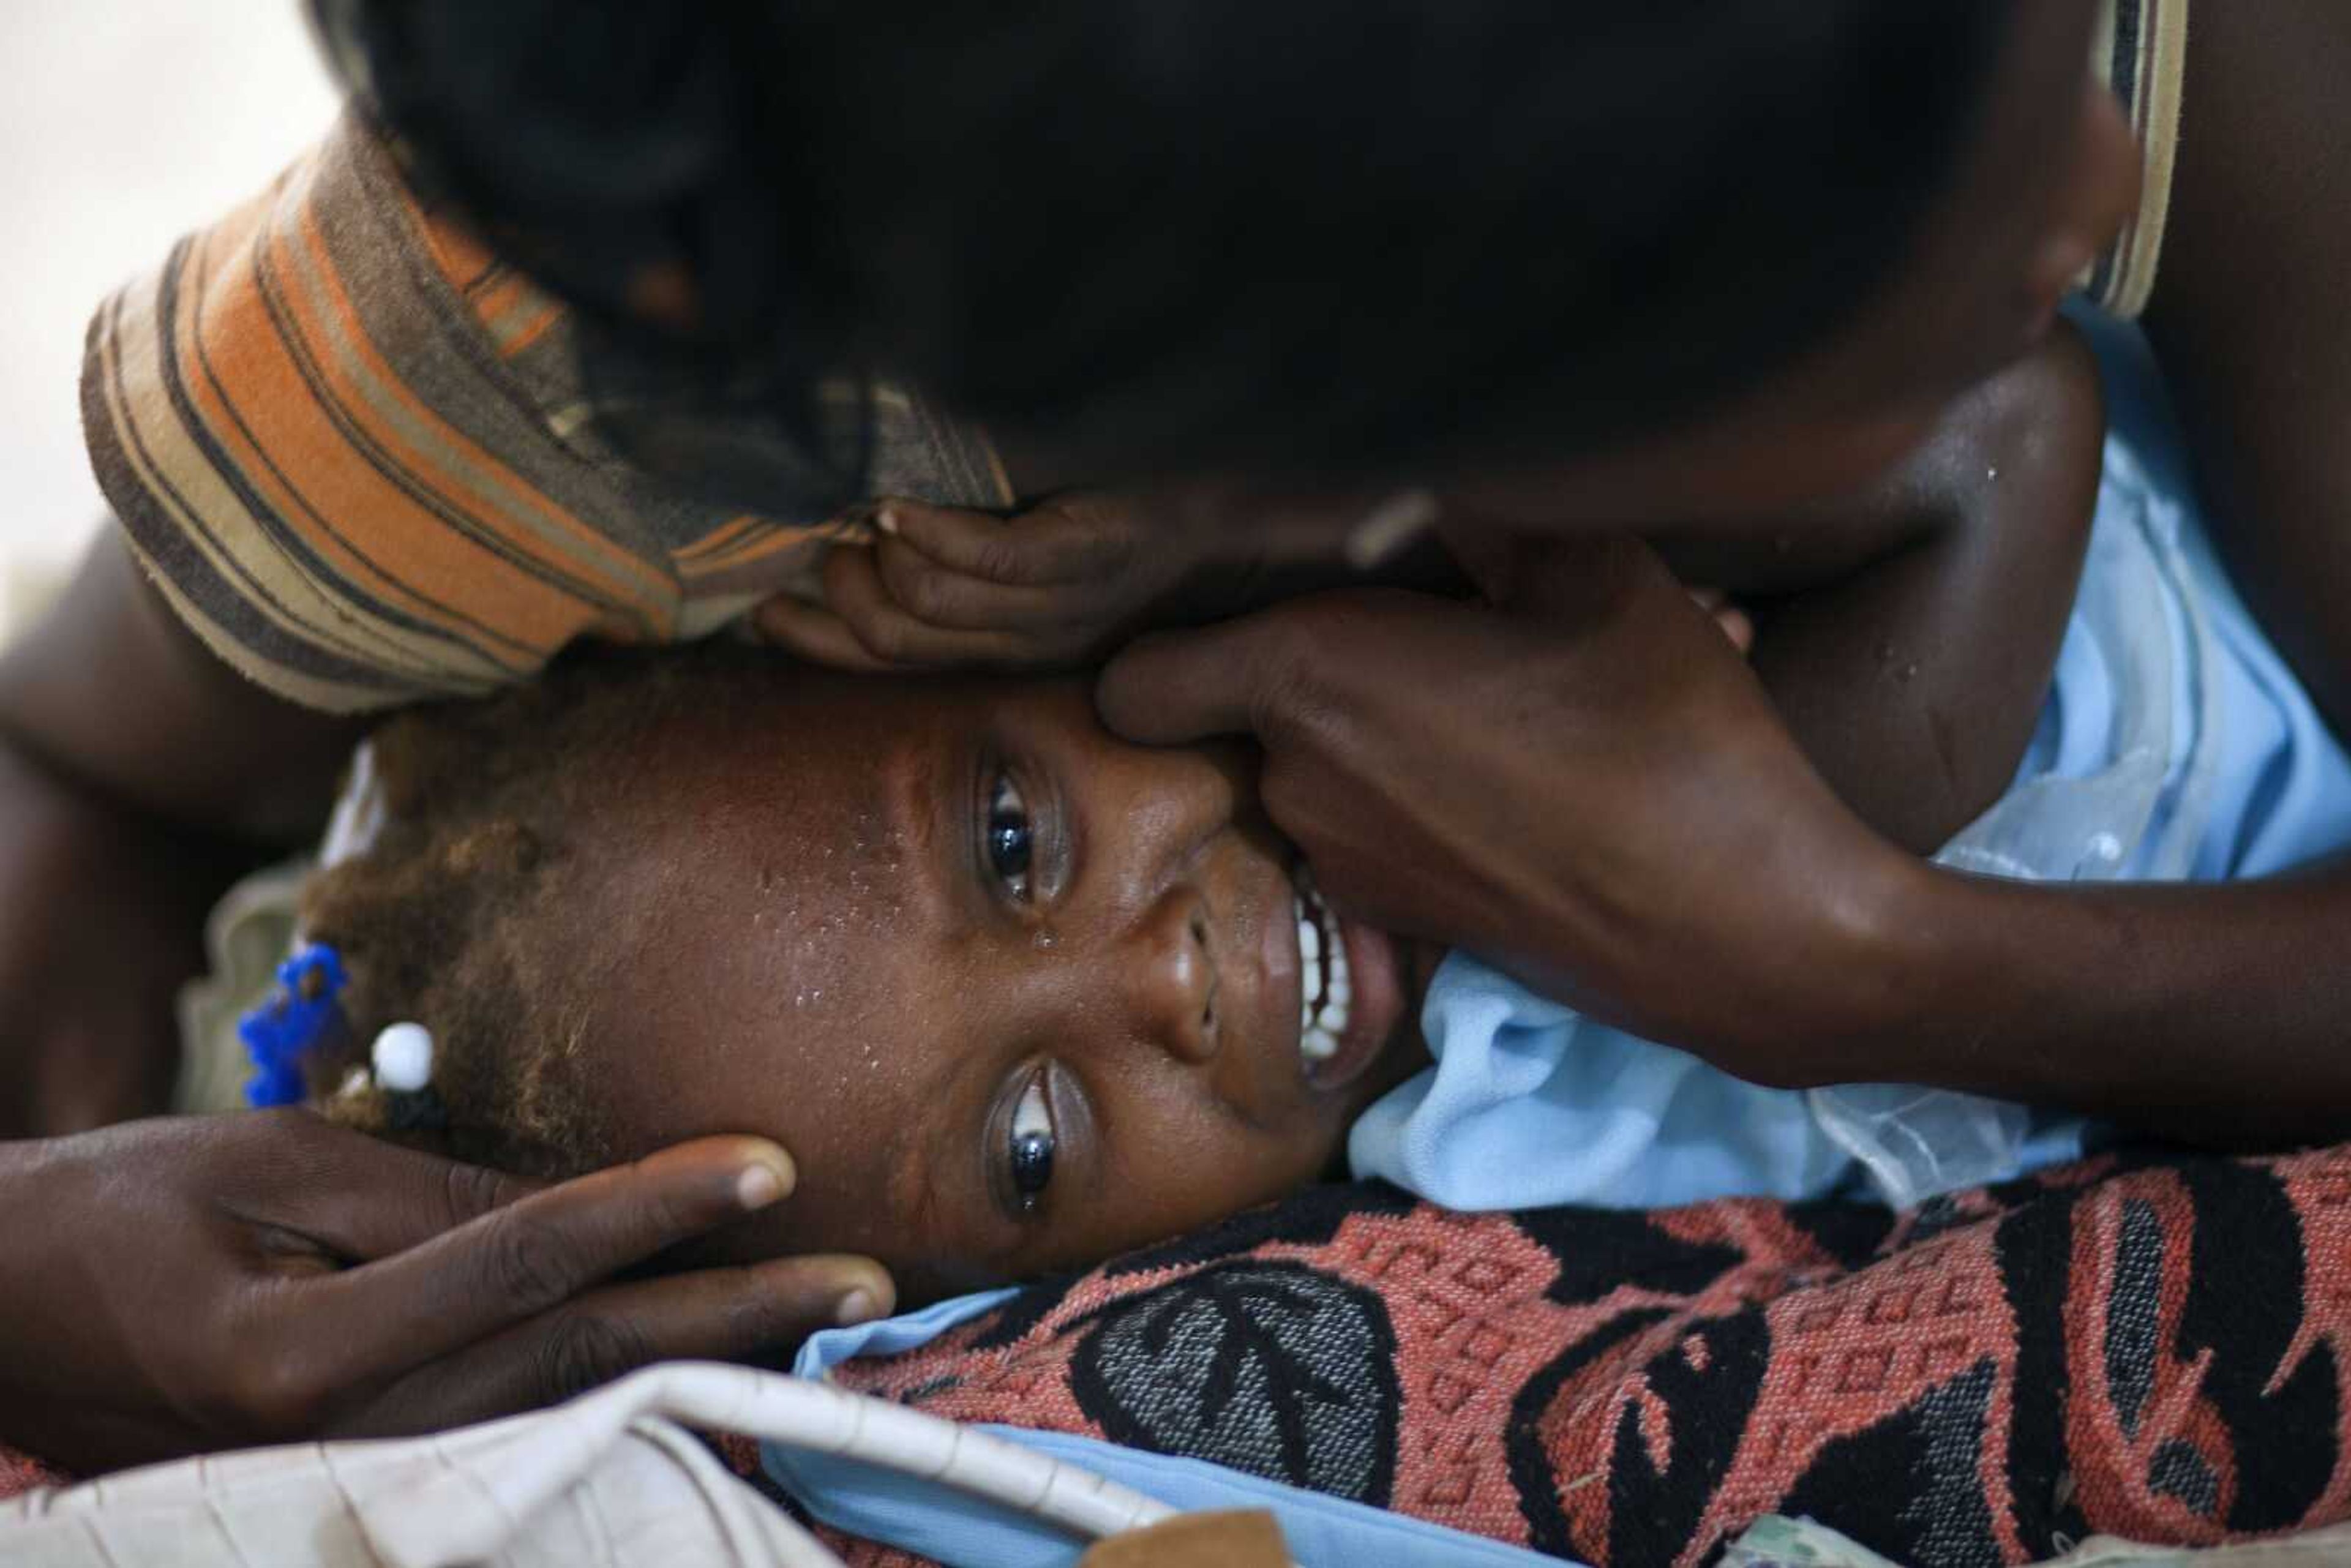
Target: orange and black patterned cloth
(2155,1347)
(369,463)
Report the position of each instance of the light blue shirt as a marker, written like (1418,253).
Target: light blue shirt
(923,1516)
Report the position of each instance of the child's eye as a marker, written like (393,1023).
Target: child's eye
(1032,1143)
(1008,836)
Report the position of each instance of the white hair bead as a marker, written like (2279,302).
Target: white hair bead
(403,1058)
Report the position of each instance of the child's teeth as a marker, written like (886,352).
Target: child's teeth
(1340,989)
(1322,1019)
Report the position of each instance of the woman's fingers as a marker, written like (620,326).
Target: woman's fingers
(887,633)
(1731,621)
(886,629)
(944,597)
(719,1314)
(1066,539)
(942,586)
(360,1198)
(526,1257)
(816,634)
(178,1285)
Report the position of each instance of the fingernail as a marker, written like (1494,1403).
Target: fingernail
(760,1184)
(886,521)
(859,1306)
(1387,528)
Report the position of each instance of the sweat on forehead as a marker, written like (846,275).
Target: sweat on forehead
(792,768)
(746,800)
(536,853)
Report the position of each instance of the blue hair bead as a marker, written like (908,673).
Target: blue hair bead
(300,1013)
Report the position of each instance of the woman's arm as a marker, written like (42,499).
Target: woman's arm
(139,778)
(1585,785)
(2249,317)
(2216,1015)
(102,922)
(1913,682)
(112,692)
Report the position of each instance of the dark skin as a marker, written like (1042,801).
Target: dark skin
(2231,997)
(186,1284)
(872,952)
(196,1283)
(974,899)
(1860,961)
(1176,1078)
(1913,683)
(1906,632)
(2051,175)
(204,751)
(86,904)
(2246,317)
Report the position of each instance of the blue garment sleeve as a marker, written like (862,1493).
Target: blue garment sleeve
(1531,1105)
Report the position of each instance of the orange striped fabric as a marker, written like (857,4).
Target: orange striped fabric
(361,456)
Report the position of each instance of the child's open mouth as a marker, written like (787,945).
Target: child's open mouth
(1349,989)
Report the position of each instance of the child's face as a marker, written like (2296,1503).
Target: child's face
(1016,994)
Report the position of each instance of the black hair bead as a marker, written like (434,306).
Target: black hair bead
(415,1111)
(1032,1165)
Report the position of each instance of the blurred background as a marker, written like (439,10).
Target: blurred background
(123,124)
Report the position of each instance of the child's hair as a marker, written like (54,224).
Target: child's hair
(448,917)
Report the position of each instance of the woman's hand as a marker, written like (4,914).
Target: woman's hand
(1058,585)
(1581,782)
(197,1283)
(1055,585)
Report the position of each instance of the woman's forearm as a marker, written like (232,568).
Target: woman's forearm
(2215,1014)
(102,922)
(110,690)
(1581,784)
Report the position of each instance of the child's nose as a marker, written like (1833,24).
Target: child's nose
(1173,979)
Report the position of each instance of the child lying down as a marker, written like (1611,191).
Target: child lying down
(1016,994)
(1020,995)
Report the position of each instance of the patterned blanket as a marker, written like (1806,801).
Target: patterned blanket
(2150,1347)
(21,1473)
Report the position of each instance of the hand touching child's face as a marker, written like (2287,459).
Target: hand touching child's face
(1015,995)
